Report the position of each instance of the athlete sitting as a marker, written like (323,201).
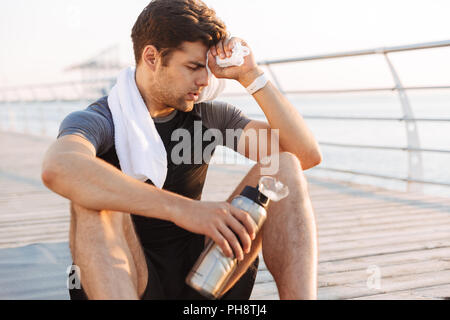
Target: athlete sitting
(132,240)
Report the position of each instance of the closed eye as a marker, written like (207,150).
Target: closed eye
(194,66)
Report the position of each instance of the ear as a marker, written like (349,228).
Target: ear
(150,56)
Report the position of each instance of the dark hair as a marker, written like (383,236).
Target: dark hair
(166,24)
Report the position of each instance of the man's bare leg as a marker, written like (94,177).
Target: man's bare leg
(289,235)
(106,249)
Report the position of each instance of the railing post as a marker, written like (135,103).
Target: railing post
(24,108)
(12,119)
(275,79)
(43,122)
(415,164)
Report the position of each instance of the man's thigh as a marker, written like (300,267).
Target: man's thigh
(137,252)
(83,220)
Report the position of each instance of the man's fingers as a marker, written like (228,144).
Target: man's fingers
(242,233)
(212,61)
(228,47)
(233,242)
(232,230)
(220,50)
(246,220)
(220,240)
(213,51)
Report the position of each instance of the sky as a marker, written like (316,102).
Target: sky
(39,39)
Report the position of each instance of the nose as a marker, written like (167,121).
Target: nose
(202,80)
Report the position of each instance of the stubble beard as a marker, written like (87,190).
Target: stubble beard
(172,98)
(178,102)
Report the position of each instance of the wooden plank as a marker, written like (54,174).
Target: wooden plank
(53,238)
(403,295)
(385,272)
(45,238)
(265,291)
(375,228)
(394,220)
(47,224)
(329,209)
(263,276)
(6,192)
(34,216)
(409,232)
(346,278)
(62,233)
(429,293)
(382,241)
(381,250)
(39,198)
(354,193)
(357,193)
(397,211)
(439,292)
(47,200)
(414,195)
(32,230)
(401,283)
(362,263)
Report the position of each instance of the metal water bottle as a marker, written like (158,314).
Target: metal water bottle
(213,269)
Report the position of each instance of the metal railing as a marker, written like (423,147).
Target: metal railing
(86,89)
(65,91)
(413,148)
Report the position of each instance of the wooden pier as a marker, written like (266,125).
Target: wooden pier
(373,243)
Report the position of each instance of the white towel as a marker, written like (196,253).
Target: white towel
(139,147)
(214,88)
(217,86)
(237,57)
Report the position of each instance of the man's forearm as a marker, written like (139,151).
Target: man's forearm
(295,136)
(97,185)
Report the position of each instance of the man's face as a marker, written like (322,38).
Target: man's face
(179,83)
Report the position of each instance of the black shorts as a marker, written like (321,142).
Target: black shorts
(169,262)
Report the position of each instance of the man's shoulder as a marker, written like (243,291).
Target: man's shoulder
(95,118)
(100,106)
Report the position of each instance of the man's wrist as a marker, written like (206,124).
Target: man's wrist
(180,207)
(249,77)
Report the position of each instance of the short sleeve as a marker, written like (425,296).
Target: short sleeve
(92,125)
(225,117)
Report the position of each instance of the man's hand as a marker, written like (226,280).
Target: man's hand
(244,74)
(221,222)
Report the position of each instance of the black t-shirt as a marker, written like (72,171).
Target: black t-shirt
(95,124)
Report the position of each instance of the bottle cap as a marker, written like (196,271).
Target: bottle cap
(256,196)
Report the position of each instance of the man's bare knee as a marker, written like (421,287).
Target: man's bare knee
(291,168)
(92,227)
(88,217)
(104,235)
(290,160)
(285,166)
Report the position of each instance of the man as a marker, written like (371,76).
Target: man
(132,240)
